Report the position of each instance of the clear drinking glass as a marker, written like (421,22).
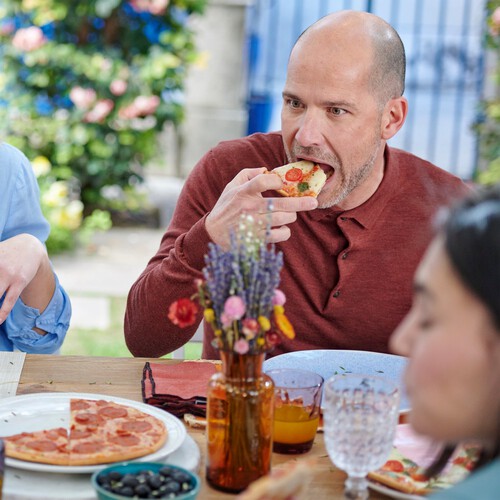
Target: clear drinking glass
(360,418)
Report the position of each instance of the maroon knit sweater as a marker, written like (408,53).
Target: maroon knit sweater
(347,275)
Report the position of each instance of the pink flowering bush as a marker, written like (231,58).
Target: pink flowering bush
(88,85)
(489,127)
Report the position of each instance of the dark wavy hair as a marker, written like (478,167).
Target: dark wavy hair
(471,232)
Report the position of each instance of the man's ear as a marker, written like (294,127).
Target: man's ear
(393,117)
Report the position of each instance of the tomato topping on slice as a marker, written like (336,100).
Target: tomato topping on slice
(294,175)
(419,477)
(393,465)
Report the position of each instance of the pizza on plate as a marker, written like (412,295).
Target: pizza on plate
(99,432)
(302,178)
(403,474)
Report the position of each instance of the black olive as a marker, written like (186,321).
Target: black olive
(129,480)
(103,479)
(171,487)
(180,476)
(142,491)
(155,481)
(166,471)
(126,491)
(114,475)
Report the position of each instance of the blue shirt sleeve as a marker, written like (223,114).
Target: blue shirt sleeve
(54,320)
(20,212)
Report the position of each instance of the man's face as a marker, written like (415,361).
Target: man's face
(331,116)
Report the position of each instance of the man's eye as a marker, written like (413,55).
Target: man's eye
(293,103)
(336,111)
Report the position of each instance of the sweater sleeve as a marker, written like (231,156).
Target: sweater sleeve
(171,273)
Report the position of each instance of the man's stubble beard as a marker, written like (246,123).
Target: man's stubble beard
(348,183)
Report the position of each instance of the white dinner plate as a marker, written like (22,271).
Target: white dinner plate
(328,362)
(392,493)
(35,412)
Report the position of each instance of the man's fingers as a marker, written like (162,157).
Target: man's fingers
(278,234)
(288,204)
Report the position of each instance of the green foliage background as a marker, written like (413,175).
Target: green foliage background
(144,47)
(489,128)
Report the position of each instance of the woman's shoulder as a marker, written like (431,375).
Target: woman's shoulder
(484,483)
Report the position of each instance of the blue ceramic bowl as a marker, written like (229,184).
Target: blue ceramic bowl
(135,467)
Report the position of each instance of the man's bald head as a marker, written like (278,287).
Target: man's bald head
(347,30)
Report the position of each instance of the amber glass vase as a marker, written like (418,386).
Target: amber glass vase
(240,406)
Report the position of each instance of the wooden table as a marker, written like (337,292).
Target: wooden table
(121,377)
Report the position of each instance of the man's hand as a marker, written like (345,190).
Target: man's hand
(244,195)
(25,271)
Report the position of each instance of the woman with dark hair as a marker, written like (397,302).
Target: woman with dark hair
(452,337)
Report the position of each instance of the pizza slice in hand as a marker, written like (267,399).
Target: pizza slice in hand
(302,178)
(403,474)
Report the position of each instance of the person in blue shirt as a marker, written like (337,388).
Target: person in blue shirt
(35,310)
(452,338)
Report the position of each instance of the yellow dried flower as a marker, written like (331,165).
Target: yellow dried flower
(264,323)
(284,325)
(209,315)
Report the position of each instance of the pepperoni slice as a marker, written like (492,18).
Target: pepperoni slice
(78,404)
(294,175)
(78,434)
(87,419)
(56,433)
(126,440)
(18,437)
(113,412)
(136,426)
(91,447)
(42,445)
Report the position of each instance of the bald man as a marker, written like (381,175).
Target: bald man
(351,253)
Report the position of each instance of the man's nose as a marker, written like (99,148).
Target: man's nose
(309,132)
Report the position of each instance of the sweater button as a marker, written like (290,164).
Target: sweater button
(336,293)
(344,255)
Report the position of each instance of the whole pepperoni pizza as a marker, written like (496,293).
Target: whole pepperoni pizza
(99,432)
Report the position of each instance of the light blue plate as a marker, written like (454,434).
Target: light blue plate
(331,362)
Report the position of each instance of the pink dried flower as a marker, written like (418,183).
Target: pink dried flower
(241,346)
(250,327)
(279,298)
(234,307)
(225,320)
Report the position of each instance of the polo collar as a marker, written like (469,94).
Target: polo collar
(368,213)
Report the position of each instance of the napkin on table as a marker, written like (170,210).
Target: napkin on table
(180,388)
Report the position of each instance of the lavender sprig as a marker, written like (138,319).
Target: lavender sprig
(249,268)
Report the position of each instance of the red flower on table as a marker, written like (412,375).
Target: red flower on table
(183,312)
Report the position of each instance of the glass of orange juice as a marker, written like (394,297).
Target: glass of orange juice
(296,409)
